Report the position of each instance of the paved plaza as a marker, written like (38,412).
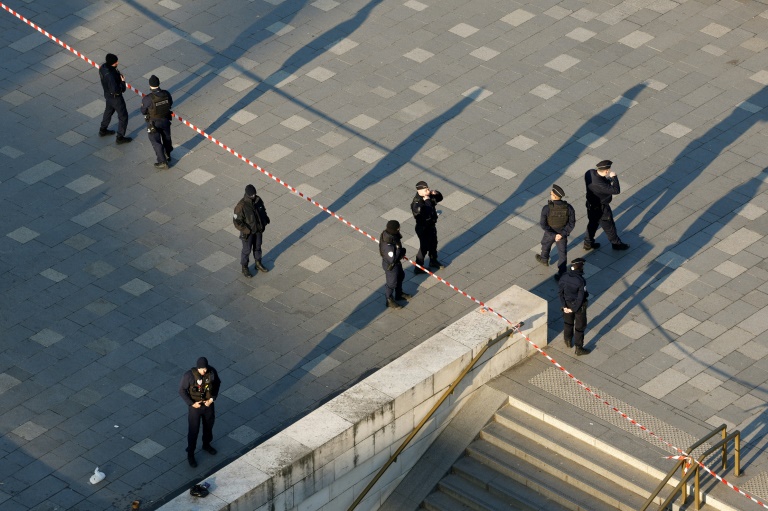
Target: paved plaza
(115,277)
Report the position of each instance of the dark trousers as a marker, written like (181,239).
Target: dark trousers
(206,415)
(395,278)
(161,139)
(252,243)
(602,216)
(115,104)
(574,324)
(562,250)
(427,242)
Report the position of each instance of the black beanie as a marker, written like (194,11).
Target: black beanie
(392,227)
(202,363)
(111,59)
(250,190)
(154,81)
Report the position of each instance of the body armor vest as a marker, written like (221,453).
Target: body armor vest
(200,390)
(558,214)
(161,105)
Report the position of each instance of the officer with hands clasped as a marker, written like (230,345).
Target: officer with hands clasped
(156,107)
(602,184)
(423,209)
(113,84)
(558,219)
(250,218)
(573,298)
(199,388)
(392,253)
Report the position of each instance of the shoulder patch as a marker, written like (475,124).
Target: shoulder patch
(234,215)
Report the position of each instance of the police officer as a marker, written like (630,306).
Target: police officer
(423,209)
(602,184)
(573,298)
(392,252)
(250,218)
(558,219)
(156,107)
(113,84)
(199,388)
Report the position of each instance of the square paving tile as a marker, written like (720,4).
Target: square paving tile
(238,393)
(463,30)
(315,264)
(159,334)
(47,337)
(398,214)
(273,153)
(147,448)
(136,287)
(39,172)
(244,435)
(10,152)
(456,200)
(7,382)
(545,91)
(133,390)
(419,55)
(715,30)
(243,117)
(562,63)
(296,123)
(438,153)
(503,173)
(522,142)
(53,275)
(341,46)
(217,261)
(320,365)
(319,165)
(636,39)
(424,87)
(369,155)
(321,74)
(416,6)
(484,53)
(676,130)
(363,122)
(580,34)
(212,323)
(198,177)
(95,214)
(23,235)
(518,17)
(29,430)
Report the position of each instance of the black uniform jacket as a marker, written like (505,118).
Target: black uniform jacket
(193,377)
(390,248)
(566,230)
(250,215)
(573,289)
(111,82)
(146,102)
(600,190)
(424,209)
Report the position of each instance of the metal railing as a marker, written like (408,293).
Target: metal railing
(507,333)
(682,486)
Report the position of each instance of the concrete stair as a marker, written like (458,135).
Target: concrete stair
(519,462)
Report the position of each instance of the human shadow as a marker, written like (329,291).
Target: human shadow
(541,178)
(689,164)
(394,160)
(303,56)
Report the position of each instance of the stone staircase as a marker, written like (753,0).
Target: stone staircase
(519,462)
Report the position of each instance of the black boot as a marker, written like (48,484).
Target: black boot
(581,350)
(418,271)
(619,246)
(191,460)
(541,260)
(434,263)
(403,296)
(589,245)
(122,140)
(209,449)
(392,303)
(247,272)
(261,267)
(104,133)
(162,165)
(568,343)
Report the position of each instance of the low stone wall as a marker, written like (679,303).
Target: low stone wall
(323,461)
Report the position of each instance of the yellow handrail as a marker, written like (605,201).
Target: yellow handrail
(682,487)
(507,333)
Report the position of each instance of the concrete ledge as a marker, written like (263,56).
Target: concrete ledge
(326,459)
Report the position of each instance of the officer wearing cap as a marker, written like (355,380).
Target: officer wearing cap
(392,252)
(602,184)
(113,84)
(572,290)
(156,108)
(199,388)
(558,219)
(250,218)
(423,209)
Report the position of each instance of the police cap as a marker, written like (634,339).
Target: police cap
(558,191)
(604,165)
(421,185)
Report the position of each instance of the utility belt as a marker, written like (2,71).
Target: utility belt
(115,95)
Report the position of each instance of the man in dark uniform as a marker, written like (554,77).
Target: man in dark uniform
(392,252)
(573,297)
(423,209)
(250,218)
(199,387)
(558,219)
(156,107)
(602,184)
(113,84)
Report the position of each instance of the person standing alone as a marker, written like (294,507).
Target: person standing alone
(250,218)
(113,84)
(156,107)
(199,388)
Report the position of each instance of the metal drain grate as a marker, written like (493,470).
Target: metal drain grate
(560,385)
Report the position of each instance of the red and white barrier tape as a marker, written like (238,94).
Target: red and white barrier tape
(515,326)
